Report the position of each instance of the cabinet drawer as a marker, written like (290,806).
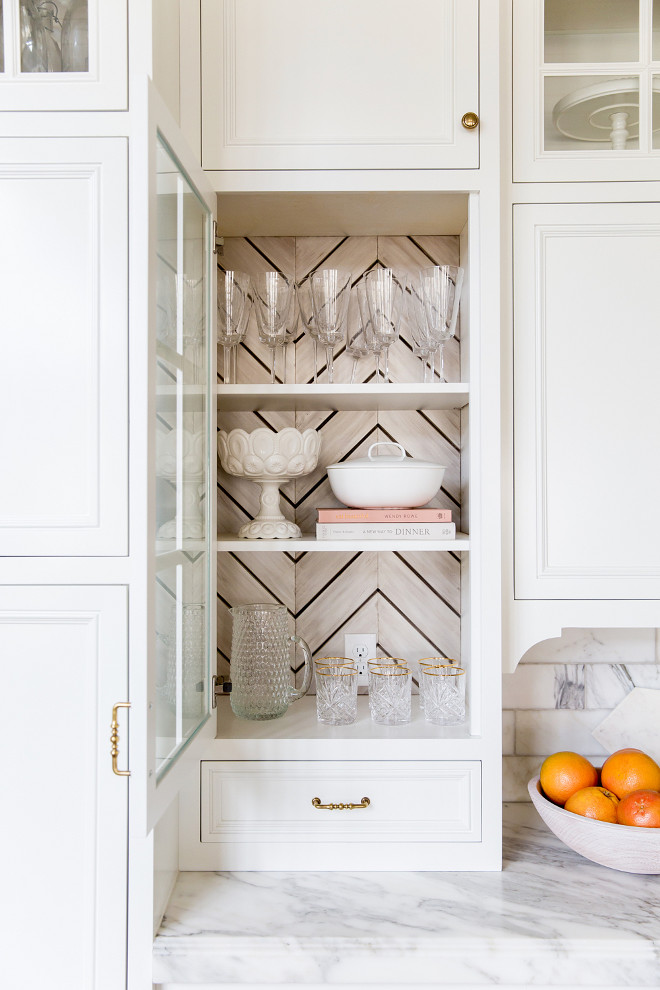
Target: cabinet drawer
(408,801)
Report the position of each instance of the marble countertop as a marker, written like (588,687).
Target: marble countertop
(550,918)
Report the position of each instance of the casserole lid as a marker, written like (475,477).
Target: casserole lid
(384,461)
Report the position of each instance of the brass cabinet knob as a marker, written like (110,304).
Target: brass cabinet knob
(470,120)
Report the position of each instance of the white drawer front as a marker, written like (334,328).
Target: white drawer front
(408,800)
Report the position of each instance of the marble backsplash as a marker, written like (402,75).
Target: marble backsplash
(563,688)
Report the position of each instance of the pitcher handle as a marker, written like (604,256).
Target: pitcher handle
(307,679)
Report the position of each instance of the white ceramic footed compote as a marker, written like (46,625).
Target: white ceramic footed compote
(269,459)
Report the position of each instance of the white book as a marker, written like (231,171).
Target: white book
(386,531)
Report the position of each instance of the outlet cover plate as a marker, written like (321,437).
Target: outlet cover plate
(360,647)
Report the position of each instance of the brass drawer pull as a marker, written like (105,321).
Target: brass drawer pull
(114,739)
(364,803)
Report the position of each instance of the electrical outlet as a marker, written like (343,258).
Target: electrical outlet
(360,647)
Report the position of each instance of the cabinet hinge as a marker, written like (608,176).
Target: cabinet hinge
(219,687)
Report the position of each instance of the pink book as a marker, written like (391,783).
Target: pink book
(383,515)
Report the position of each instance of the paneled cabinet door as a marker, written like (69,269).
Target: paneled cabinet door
(64,373)
(64,820)
(63,55)
(587,404)
(586,90)
(289,84)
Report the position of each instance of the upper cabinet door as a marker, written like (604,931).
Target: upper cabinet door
(587,405)
(64,373)
(289,84)
(586,90)
(63,54)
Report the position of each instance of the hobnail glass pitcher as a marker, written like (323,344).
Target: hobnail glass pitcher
(260,668)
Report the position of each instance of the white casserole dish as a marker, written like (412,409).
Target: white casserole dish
(392,482)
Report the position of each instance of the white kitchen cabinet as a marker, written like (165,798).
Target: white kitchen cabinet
(65,819)
(64,394)
(586,90)
(64,55)
(586,404)
(333,588)
(338,85)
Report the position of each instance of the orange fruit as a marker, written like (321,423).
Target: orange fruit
(594,802)
(562,774)
(640,808)
(630,770)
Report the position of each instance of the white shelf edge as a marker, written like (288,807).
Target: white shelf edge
(300,722)
(229,541)
(301,398)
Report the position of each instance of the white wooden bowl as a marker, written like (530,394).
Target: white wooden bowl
(621,847)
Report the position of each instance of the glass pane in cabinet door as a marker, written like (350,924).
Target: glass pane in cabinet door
(182,450)
(54,35)
(591,31)
(591,113)
(181,658)
(655,32)
(655,110)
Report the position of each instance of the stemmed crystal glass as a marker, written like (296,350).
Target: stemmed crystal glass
(272,302)
(330,288)
(373,342)
(306,310)
(357,346)
(234,305)
(440,289)
(423,346)
(385,291)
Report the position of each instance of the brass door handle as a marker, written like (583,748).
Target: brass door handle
(364,803)
(114,739)
(470,120)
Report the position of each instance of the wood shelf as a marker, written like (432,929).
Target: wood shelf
(302,398)
(230,542)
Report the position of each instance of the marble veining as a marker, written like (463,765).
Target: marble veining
(569,686)
(549,918)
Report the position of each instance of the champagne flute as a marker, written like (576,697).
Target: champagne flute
(234,304)
(306,308)
(272,301)
(385,289)
(441,294)
(357,346)
(331,289)
(423,346)
(373,342)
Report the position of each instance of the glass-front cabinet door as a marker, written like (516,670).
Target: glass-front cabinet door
(586,89)
(183,421)
(63,55)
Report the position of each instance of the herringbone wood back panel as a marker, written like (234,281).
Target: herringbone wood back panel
(411,600)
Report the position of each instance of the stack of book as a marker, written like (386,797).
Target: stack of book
(385,524)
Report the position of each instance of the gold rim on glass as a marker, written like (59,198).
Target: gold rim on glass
(443,670)
(333,661)
(437,661)
(386,662)
(341,671)
(390,670)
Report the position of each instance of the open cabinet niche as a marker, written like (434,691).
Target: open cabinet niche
(412,600)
